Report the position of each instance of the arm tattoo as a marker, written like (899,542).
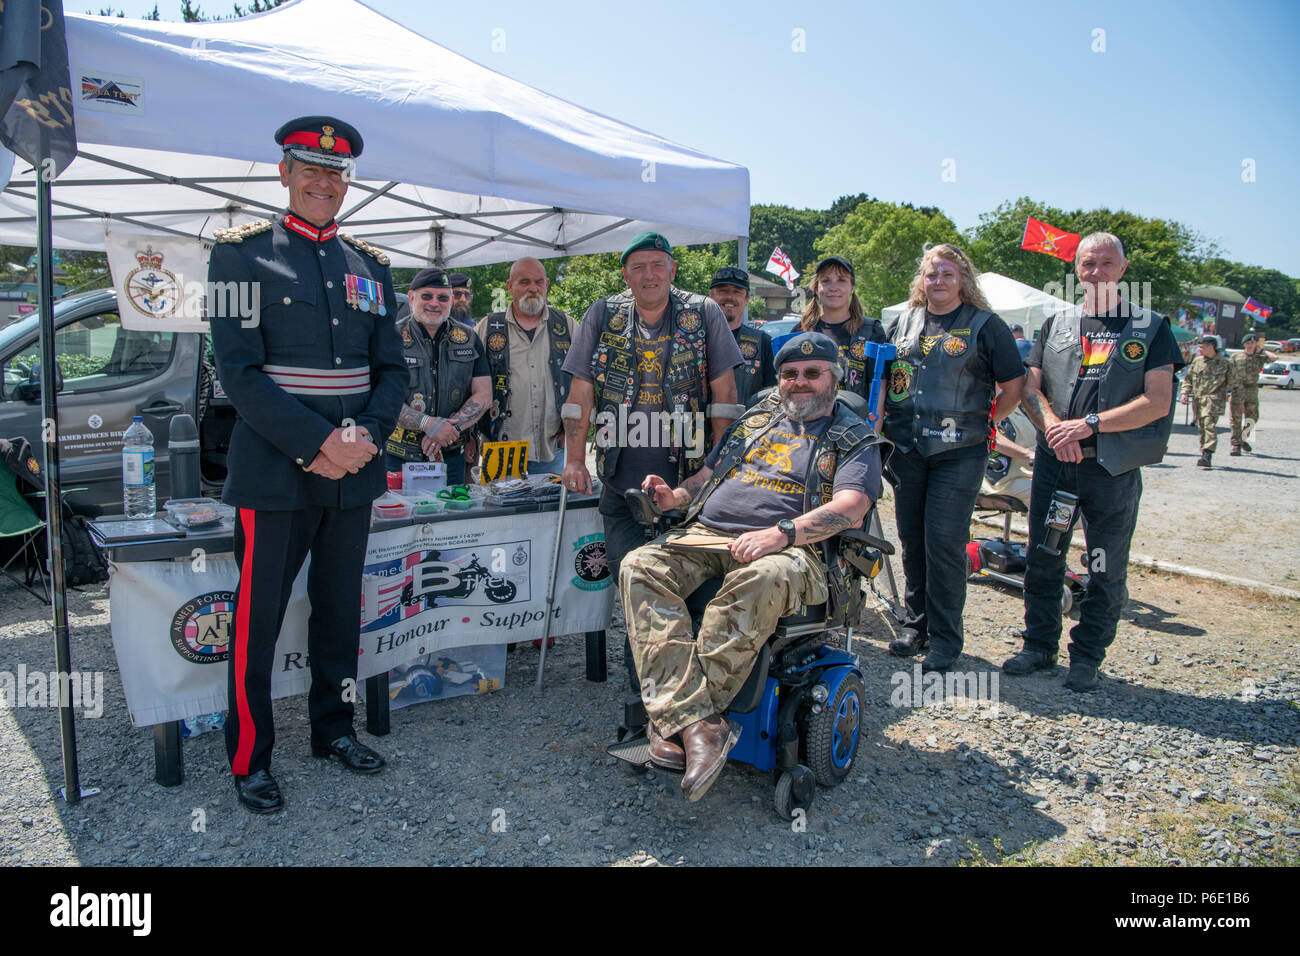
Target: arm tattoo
(823,523)
(408,417)
(469,413)
(694,483)
(575,434)
(1035,407)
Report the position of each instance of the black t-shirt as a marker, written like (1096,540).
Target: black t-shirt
(766,359)
(840,333)
(995,349)
(1099,334)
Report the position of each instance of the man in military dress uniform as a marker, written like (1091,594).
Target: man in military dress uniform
(448,387)
(526,346)
(796,469)
(638,358)
(730,289)
(1244,382)
(316,378)
(1206,383)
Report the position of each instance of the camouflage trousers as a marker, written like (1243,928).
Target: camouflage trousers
(1249,407)
(1208,414)
(687,677)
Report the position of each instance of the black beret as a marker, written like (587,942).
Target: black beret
(808,346)
(459,280)
(432,277)
(1208,340)
(321,141)
(646,240)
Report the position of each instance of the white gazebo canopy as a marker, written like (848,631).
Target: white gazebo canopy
(1013,301)
(461,165)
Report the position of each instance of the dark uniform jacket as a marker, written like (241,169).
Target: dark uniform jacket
(307,363)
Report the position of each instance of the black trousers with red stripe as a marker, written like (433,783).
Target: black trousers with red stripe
(269,548)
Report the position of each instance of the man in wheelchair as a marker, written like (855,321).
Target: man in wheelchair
(797,469)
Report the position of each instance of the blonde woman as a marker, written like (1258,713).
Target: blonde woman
(834,310)
(954,357)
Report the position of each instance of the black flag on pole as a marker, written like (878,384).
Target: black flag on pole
(35,97)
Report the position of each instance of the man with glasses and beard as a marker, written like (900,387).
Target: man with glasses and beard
(797,469)
(526,346)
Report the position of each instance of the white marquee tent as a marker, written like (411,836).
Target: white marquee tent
(1013,301)
(461,165)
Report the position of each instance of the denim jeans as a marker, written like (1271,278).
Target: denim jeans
(623,535)
(933,502)
(554,467)
(1109,507)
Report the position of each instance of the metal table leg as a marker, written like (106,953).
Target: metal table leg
(596,669)
(377,710)
(169,769)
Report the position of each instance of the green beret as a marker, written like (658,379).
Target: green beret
(646,240)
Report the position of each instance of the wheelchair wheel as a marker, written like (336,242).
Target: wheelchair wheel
(795,790)
(832,740)
(1067,599)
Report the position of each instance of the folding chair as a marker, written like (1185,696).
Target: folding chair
(18,518)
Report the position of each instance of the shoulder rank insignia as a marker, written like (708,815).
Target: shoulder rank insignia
(365,247)
(243,231)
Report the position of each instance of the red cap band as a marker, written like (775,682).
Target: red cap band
(312,140)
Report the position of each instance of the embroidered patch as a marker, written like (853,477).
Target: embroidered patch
(826,465)
(748,349)
(407,341)
(614,341)
(496,342)
(858,349)
(617,323)
(688,321)
(558,329)
(758,421)
(1133,350)
(900,381)
(954,346)
(458,335)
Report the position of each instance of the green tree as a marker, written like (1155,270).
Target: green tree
(1266,286)
(584,279)
(794,230)
(884,241)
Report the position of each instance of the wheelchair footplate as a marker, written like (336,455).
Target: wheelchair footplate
(635,750)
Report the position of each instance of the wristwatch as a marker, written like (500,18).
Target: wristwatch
(787,526)
(1093,422)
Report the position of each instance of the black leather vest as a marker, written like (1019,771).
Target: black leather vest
(936,402)
(1123,378)
(441,394)
(749,373)
(616,376)
(497,344)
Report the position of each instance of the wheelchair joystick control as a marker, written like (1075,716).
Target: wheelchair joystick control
(1060,515)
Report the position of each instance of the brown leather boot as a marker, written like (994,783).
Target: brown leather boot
(707,743)
(665,753)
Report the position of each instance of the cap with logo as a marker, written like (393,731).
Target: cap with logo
(321,141)
(807,347)
(433,278)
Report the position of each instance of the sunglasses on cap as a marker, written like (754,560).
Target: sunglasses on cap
(731,276)
(811,374)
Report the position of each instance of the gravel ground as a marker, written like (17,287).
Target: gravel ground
(1187,754)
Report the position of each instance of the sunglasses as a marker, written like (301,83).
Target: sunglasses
(427,296)
(811,374)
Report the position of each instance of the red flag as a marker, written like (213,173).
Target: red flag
(1040,237)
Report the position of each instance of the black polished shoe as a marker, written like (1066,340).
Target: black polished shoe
(1028,661)
(355,755)
(259,792)
(937,662)
(910,642)
(1082,677)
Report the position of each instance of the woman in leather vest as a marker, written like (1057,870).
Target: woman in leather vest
(954,357)
(834,310)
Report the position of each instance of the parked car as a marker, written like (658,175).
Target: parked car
(1282,374)
(1291,345)
(782,326)
(1272,346)
(106,375)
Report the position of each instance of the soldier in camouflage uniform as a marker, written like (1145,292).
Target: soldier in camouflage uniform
(1207,386)
(796,469)
(1244,382)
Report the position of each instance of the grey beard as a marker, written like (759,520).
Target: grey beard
(522,305)
(808,413)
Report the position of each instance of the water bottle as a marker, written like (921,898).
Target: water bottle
(139,496)
(202,724)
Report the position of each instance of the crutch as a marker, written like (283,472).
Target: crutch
(568,411)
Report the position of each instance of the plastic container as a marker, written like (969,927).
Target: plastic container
(139,495)
(194,512)
(390,507)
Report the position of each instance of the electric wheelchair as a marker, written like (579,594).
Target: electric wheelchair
(800,710)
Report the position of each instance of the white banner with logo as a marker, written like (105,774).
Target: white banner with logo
(160,281)
(425,588)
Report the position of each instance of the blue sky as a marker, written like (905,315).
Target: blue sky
(884,93)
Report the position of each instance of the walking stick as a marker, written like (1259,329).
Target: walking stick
(569,412)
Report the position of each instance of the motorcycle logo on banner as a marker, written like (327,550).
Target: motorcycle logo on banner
(482,576)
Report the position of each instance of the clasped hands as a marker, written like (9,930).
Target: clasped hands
(345,452)
(1063,438)
(442,436)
